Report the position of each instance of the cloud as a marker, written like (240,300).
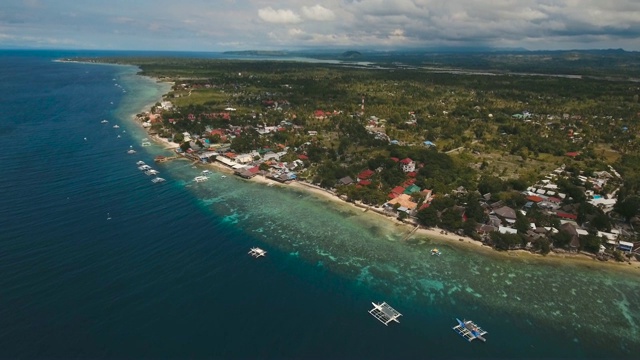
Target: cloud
(374,24)
(280,16)
(318,13)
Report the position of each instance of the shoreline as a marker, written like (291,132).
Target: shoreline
(411,230)
(471,244)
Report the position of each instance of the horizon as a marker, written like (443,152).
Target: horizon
(332,50)
(386,25)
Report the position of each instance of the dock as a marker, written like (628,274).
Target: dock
(161,159)
(384,313)
(469,330)
(256,252)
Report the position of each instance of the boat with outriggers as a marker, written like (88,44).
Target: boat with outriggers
(206,173)
(435,252)
(469,330)
(256,252)
(157,180)
(201,178)
(140,163)
(151,172)
(384,313)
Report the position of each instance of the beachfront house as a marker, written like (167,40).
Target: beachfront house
(347,180)
(244,158)
(402,202)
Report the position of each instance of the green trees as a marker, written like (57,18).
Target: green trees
(628,207)
(178,138)
(490,184)
(590,243)
(428,217)
(505,241)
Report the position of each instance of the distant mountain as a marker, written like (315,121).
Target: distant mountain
(351,54)
(259,53)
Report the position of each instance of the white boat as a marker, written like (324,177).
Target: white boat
(469,330)
(256,252)
(384,313)
(145,139)
(223,176)
(146,143)
(206,173)
(157,180)
(152,172)
(201,178)
(116,126)
(104,121)
(140,163)
(131,151)
(144,167)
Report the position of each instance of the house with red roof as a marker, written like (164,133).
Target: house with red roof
(366,174)
(364,182)
(572,154)
(534,198)
(567,216)
(395,192)
(321,114)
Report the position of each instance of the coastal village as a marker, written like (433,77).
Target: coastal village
(565,210)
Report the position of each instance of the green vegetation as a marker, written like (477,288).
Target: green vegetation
(474,139)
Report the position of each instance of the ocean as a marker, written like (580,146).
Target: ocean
(96,261)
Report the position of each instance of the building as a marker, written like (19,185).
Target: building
(408,165)
(403,200)
(365,175)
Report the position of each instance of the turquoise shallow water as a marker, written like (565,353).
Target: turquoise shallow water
(168,275)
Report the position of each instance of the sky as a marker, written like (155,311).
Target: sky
(221,25)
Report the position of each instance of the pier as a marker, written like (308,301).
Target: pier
(384,313)
(469,330)
(161,159)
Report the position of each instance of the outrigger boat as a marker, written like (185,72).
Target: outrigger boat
(384,313)
(435,252)
(256,252)
(469,330)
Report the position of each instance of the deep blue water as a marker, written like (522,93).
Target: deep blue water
(167,276)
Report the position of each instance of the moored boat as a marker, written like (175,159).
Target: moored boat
(469,330)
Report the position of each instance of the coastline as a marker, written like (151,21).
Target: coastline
(411,231)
